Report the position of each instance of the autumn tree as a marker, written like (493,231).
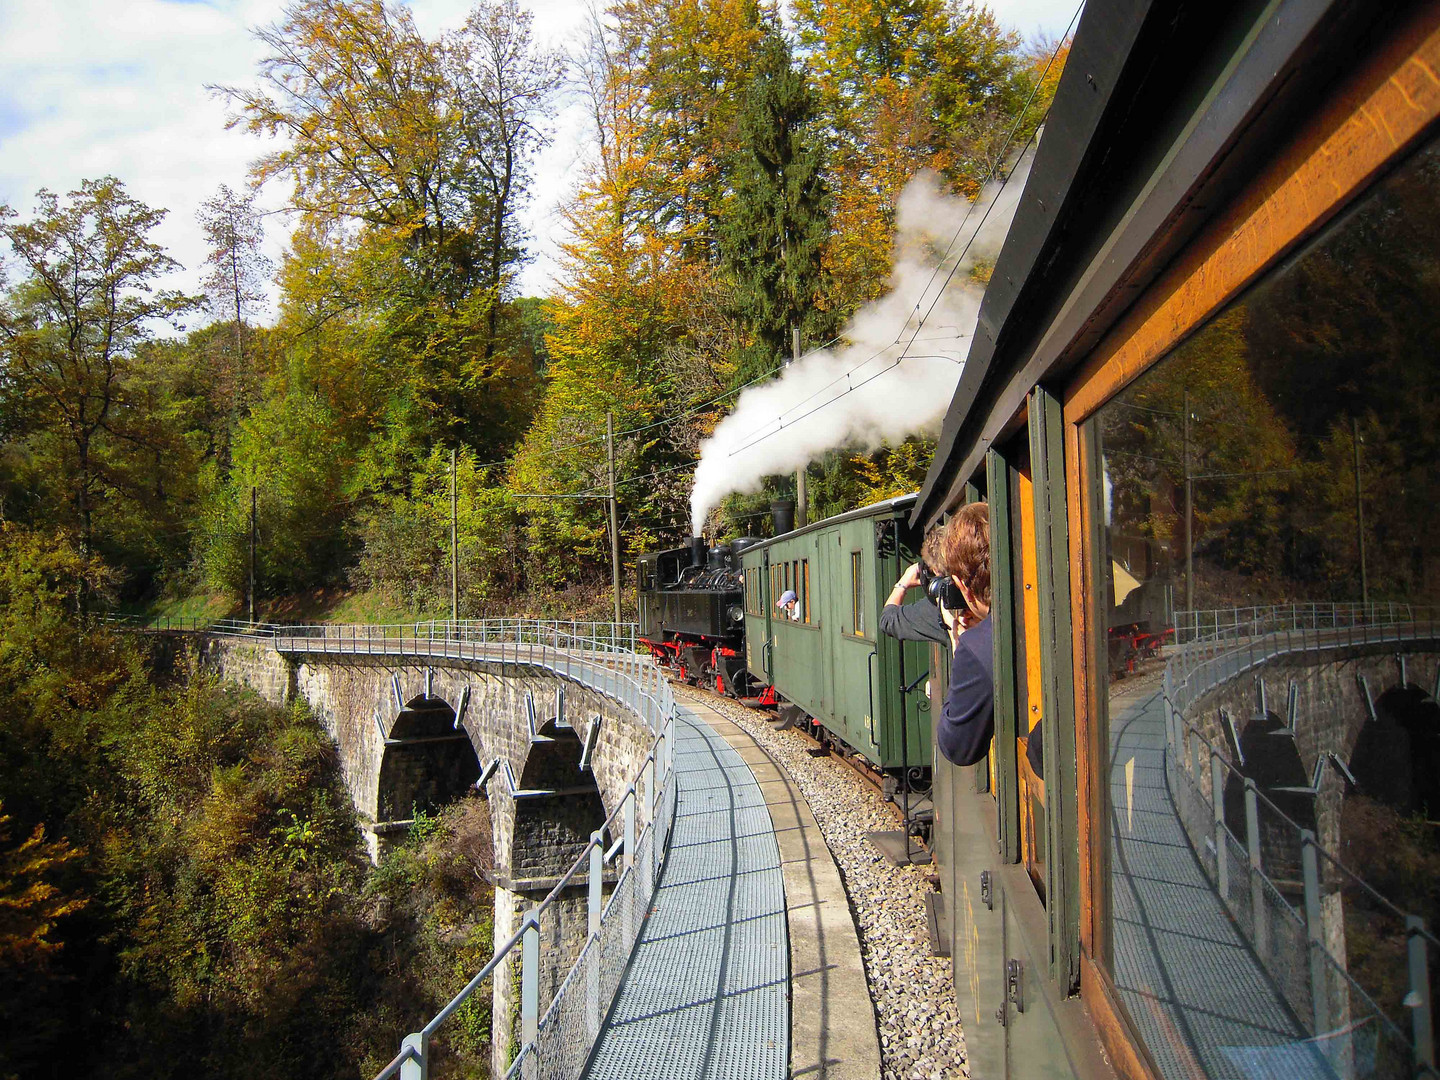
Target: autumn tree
(906,85)
(412,156)
(32,901)
(359,97)
(238,269)
(70,326)
(504,85)
(690,62)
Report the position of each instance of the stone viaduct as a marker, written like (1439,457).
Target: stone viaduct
(416,728)
(1308,725)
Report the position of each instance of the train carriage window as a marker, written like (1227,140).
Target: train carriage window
(857,602)
(1261,503)
(805,590)
(1029,699)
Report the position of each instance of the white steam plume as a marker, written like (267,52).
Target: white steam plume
(880,386)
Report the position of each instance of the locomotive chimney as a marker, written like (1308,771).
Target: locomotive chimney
(782,516)
(697,551)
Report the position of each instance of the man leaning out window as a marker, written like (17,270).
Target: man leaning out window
(968,719)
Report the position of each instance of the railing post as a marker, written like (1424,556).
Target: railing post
(1222,846)
(628,863)
(415,1067)
(596,906)
(1315,932)
(652,792)
(530,981)
(629,850)
(1418,999)
(1259,914)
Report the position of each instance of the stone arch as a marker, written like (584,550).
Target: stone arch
(1272,760)
(426,761)
(557,805)
(1396,758)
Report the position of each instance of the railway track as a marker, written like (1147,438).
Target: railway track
(830,747)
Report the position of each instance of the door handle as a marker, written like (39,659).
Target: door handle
(870,690)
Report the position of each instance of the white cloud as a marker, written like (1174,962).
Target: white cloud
(90,87)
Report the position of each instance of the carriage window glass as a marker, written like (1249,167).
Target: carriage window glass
(857,607)
(805,588)
(1266,501)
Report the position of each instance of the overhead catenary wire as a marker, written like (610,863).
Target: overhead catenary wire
(664,420)
(955,265)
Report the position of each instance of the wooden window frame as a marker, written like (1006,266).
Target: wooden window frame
(1376,117)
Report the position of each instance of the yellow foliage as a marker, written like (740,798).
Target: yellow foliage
(30,902)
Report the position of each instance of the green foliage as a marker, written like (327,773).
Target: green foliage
(438,927)
(406,540)
(190,853)
(775,224)
(290,450)
(70,330)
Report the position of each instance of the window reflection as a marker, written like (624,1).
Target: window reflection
(1271,518)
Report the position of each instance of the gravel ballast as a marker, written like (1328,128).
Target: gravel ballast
(920,1034)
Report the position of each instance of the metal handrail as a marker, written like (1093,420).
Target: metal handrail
(1223,622)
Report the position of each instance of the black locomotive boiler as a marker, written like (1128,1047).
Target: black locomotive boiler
(692,616)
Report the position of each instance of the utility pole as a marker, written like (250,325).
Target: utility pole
(802,497)
(614,515)
(1189,513)
(251,604)
(1359,513)
(454,546)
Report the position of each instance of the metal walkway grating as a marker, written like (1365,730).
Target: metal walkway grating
(706,994)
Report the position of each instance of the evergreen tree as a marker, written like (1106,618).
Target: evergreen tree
(776,222)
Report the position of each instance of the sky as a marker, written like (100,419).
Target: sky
(96,87)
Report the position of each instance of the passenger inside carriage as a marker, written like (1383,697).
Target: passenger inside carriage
(790,604)
(968,719)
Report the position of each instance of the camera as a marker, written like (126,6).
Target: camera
(941,589)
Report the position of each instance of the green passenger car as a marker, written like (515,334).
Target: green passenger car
(832,661)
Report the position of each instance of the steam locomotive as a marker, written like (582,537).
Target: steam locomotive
(692,614)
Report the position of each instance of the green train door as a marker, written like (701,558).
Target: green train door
(898,664)
(767,604)
(1011,831)
(856,677)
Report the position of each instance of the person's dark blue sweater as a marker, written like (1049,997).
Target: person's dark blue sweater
(968,719)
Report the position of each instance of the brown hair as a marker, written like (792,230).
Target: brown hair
(967,549)
(932,551)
